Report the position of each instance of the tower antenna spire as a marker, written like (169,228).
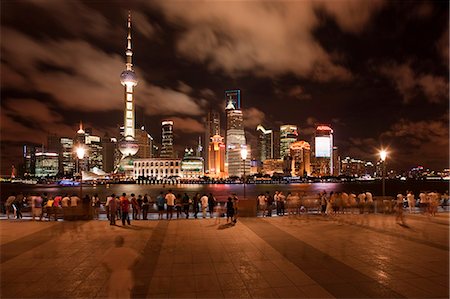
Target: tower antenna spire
(129,50)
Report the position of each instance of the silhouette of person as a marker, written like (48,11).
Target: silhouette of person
(119,260)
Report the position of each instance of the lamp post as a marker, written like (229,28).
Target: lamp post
(80,155)
(383,155)
(244,157)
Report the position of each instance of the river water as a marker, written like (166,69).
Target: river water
(221,191)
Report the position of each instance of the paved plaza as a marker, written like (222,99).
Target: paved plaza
(348,256)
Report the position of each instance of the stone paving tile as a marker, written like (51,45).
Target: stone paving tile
(289,292)
(263,293)
(236,293)
(238,257)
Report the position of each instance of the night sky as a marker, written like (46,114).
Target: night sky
(377,71)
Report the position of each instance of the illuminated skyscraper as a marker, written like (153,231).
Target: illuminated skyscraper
(300,154)
(265,143)
(167,139)
(324,150)
(212,129)
(288,135)
(128,78)
(235,97)
(217,157)
(235,138)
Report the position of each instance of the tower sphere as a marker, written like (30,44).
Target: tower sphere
(128,77)
(128,146)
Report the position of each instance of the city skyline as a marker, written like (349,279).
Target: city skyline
(394,96)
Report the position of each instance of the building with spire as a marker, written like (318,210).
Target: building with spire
(128,145)
(212,129)
(235,136)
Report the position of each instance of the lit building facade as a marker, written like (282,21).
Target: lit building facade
(47,164)
(266,149)
(167,139)
(235,136)
(288,135)
(212,129)
(157,168)
(356,168)
(300,154)
(94,153)
(192,166)
(67,161)
(236,165)
(233,96)
(217,157)
(323,151)
(272,166)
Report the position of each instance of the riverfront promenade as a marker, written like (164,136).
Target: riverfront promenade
(347,256)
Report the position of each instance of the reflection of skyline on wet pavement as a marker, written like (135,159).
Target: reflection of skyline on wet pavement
(310,256)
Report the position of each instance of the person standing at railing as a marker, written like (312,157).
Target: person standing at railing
(125,209)
(204,203)
(170,201)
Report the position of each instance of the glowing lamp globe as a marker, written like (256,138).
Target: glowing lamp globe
(128,78)
(80,152)
(244,154)
(128,147)
(383,155)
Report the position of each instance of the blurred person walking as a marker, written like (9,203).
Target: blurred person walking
(195,204)
(411,202)
(186,201)
(145,206)
(211,204)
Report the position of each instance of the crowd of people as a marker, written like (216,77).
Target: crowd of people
(341,202)
(120,207)
(169,205)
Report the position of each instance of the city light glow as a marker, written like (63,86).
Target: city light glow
(80,152)
(244,154)
(383,155)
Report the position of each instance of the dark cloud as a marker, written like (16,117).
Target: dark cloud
(300,62)
(265,39)
(409,83)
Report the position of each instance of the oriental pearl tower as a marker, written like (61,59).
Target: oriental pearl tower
(128,145)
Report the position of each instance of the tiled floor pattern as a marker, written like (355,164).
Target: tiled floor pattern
(258,258)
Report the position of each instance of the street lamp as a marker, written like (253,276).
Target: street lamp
(383,156)
(244,157)
(80,155)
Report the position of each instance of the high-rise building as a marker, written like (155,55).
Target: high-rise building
(217,157)
(47,164)
(67,160)
(300,155)
(167,139)
(266,147)
(109,146)
(29,156)
(235,137)
(288,135)
(145,143)
(212,129)
(323,151)
(233,96)
(64,147)
(336,162)
(127,145)
(236,164)
(356,168)
(94,154)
